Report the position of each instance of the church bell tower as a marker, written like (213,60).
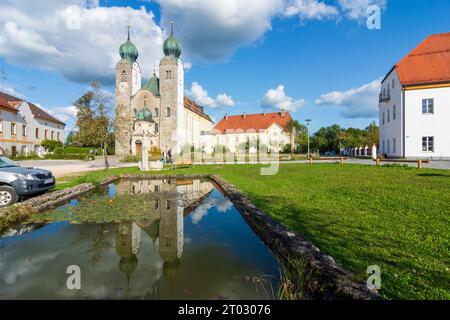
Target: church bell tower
(171,74)
(128,83)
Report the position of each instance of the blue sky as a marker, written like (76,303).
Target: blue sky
(240,54)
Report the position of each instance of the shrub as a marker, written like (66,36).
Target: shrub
(131,158)
(51,145)
(155,153)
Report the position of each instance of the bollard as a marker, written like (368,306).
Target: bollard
(419,164)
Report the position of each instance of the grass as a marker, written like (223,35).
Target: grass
(394,217)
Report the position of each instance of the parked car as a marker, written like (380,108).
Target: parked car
(17,181)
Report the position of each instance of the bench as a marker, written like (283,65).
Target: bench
(183,164)
(419,162)
(285,158)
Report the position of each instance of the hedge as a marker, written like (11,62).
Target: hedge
(73,150)
(86,157)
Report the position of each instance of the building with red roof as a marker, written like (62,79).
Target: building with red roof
(24,125)
(270,129)
(414,103)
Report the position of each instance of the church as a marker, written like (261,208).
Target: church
(156,114)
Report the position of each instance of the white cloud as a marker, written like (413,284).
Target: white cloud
(357,9)
(213,30)
(358,103)
(201,96)
(9,89)
(277,99)
(310,9)
(81,42)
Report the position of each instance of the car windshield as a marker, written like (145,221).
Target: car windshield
(5,163)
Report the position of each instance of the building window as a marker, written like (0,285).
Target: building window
(394,113)
(51,135)
(37,133)
(383,118)
(428,144)
(428,106)
(24,130)
(394,147)
(58,137)
(393,83)
(167,112)
(156,127)
(46,134)
(13,129)
(389,146)
(156,112)
(383,147)
(389,115)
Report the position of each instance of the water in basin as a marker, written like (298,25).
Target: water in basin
(149,239)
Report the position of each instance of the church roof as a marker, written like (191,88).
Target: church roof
(192,106)
(153,85)
(259,121)
(428,63)
(12,103)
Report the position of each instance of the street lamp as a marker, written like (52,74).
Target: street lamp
(307,124)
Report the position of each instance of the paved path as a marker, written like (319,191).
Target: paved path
(62,168)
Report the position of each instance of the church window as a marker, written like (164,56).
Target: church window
(168,205)
(135,112)
(156,127)
(167,112)
(168,74)
(156,112)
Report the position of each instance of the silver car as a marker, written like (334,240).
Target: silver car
(17,181)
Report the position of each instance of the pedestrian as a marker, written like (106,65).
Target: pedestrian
(170,155)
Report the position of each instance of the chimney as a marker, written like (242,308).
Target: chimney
(244,116)
(226,117)
(283,113)
(263,113)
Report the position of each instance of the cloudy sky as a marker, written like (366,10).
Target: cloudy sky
(314,58)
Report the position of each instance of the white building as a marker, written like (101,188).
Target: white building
(233,131)
(414,106)
(23,126)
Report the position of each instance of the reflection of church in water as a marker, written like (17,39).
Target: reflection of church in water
(164,222)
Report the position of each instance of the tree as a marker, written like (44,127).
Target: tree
(292,127)
(94,121)
(70,139)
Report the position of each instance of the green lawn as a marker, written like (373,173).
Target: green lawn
(396,218)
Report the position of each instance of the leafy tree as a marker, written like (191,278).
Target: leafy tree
(94,121)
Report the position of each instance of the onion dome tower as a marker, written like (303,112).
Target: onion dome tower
(172,46)
(128,50)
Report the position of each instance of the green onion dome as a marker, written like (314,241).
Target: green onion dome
(153,85)
(144,114)
(171,46)
(128,50)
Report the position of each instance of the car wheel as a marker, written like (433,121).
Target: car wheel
(8,196)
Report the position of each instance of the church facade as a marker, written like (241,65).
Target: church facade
(156,114)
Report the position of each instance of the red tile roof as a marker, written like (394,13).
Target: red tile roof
(191,105)
(257,122)
(12,103)
(428,63)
